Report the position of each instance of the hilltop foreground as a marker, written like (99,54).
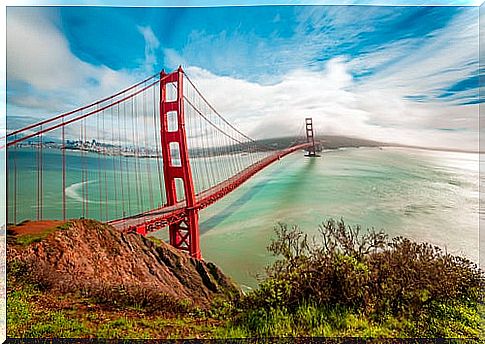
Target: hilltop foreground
(85,279)
(95,258)
(84,268)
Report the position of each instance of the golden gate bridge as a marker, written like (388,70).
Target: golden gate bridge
(170,154)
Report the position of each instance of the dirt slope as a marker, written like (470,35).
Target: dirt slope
(85,255)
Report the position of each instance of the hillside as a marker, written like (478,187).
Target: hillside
(88,256)
(327,141)
(83,279)
(334,142)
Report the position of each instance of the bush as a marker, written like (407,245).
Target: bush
(369,275)
(143,298)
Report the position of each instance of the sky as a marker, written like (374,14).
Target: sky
(407,74)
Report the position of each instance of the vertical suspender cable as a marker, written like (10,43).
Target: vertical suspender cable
(127,160)
(97,152)
(157,129)
(139,153)
(14,183)
(135,152)
(113,154)
(86,170)
(63,171)
(121,150)
(147,151)
(41,177)
(105,167)
(81,140)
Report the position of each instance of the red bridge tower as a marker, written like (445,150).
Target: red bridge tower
(310,137)
(184,235)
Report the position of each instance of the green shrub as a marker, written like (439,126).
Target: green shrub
(371,279)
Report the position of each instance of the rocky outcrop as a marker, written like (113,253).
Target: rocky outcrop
(87,253)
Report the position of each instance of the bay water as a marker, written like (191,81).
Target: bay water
(424,195)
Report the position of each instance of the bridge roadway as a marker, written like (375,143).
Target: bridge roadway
(159,218)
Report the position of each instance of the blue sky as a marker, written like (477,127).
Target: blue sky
(254,43)
(402,74)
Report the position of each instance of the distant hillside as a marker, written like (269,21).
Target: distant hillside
(333,142)
(336,141)
(327,141)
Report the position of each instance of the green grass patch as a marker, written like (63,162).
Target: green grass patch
(350,282)
(28,239)
(27,318)
(310,320)
(19,310)
(59,324)
(156,241)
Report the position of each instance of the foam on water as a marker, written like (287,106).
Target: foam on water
(72,191)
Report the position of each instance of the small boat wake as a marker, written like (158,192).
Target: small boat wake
(73,191)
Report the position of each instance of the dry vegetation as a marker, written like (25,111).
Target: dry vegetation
(346,282)
(343,282)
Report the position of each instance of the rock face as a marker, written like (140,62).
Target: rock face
(87,253)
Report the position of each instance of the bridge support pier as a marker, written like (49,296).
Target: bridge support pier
(184,234)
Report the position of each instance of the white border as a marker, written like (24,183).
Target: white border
(162,3)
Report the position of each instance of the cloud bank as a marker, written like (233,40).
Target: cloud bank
(404,91)
(45,77)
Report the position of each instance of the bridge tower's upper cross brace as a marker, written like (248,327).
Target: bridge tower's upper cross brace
(184,235)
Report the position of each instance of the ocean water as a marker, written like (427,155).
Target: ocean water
(423,195)
(97,186)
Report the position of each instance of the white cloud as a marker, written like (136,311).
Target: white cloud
(339,106)
(172,58)
(375,108)
(151,46)
(52,78)
(428,67)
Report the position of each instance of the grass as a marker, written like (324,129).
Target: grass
(57,324)
(36,314)
(156,241)
(28,239)
(310,320)
(19,310)
(267,311)
(26,319)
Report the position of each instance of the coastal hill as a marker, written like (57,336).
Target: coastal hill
(327,142)
(83,279)
(338,141)
(95,259)
(333,142)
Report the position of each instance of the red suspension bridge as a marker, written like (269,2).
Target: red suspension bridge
(148,157)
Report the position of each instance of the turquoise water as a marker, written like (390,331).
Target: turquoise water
(424,195)
(110,187)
